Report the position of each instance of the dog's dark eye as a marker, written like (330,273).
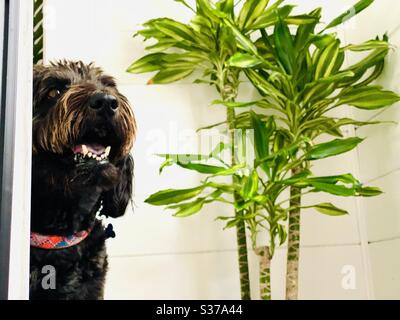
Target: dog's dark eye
(54,93)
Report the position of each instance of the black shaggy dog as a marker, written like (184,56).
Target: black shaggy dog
(83,131)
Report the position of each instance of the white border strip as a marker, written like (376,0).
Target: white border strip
(19,98)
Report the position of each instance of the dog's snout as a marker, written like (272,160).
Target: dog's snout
(103,102)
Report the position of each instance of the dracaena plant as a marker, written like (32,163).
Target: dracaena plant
(301,75)
(37,31)
(217,31)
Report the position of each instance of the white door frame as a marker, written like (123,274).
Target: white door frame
(15,146)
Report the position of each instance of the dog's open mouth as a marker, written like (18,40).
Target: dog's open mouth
(91,151)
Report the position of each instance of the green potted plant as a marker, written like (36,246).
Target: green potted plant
(300,77)
(214,35)
(300,73)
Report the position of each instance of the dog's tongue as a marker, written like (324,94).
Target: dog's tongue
(94,148)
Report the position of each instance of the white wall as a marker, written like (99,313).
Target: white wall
(379,161)
(158,256)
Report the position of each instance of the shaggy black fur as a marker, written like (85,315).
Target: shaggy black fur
(65,194)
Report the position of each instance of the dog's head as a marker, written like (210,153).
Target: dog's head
(85,127)
(79,114)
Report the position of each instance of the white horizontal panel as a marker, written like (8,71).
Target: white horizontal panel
(332,273)
(320,229)
(105,14)
(187,106)
(212,275)
(379,153)
(151,230)
(385,265)
(388,80)
(324,274)
(340,164)
(128,15)
(64,39)
(379,18)
(330,9)
(382,212)
(103,32)
(389,24)
(198,276)
(107,36)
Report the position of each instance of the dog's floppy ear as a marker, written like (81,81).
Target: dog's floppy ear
(117,199)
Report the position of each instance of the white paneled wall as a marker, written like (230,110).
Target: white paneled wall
(379,160)
(158,256)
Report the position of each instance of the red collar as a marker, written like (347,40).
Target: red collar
(57,242)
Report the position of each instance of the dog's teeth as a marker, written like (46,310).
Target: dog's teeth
(84,150)
(90,154)
(98,158)
(107,151)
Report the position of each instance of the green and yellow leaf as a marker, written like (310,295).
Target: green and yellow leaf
(170,196)
(332,148)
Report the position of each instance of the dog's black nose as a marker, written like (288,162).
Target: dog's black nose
(103,102)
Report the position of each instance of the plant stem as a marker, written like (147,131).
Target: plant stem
(265,272)
(293,253)
(243,260)
(228,91)
(241,227)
